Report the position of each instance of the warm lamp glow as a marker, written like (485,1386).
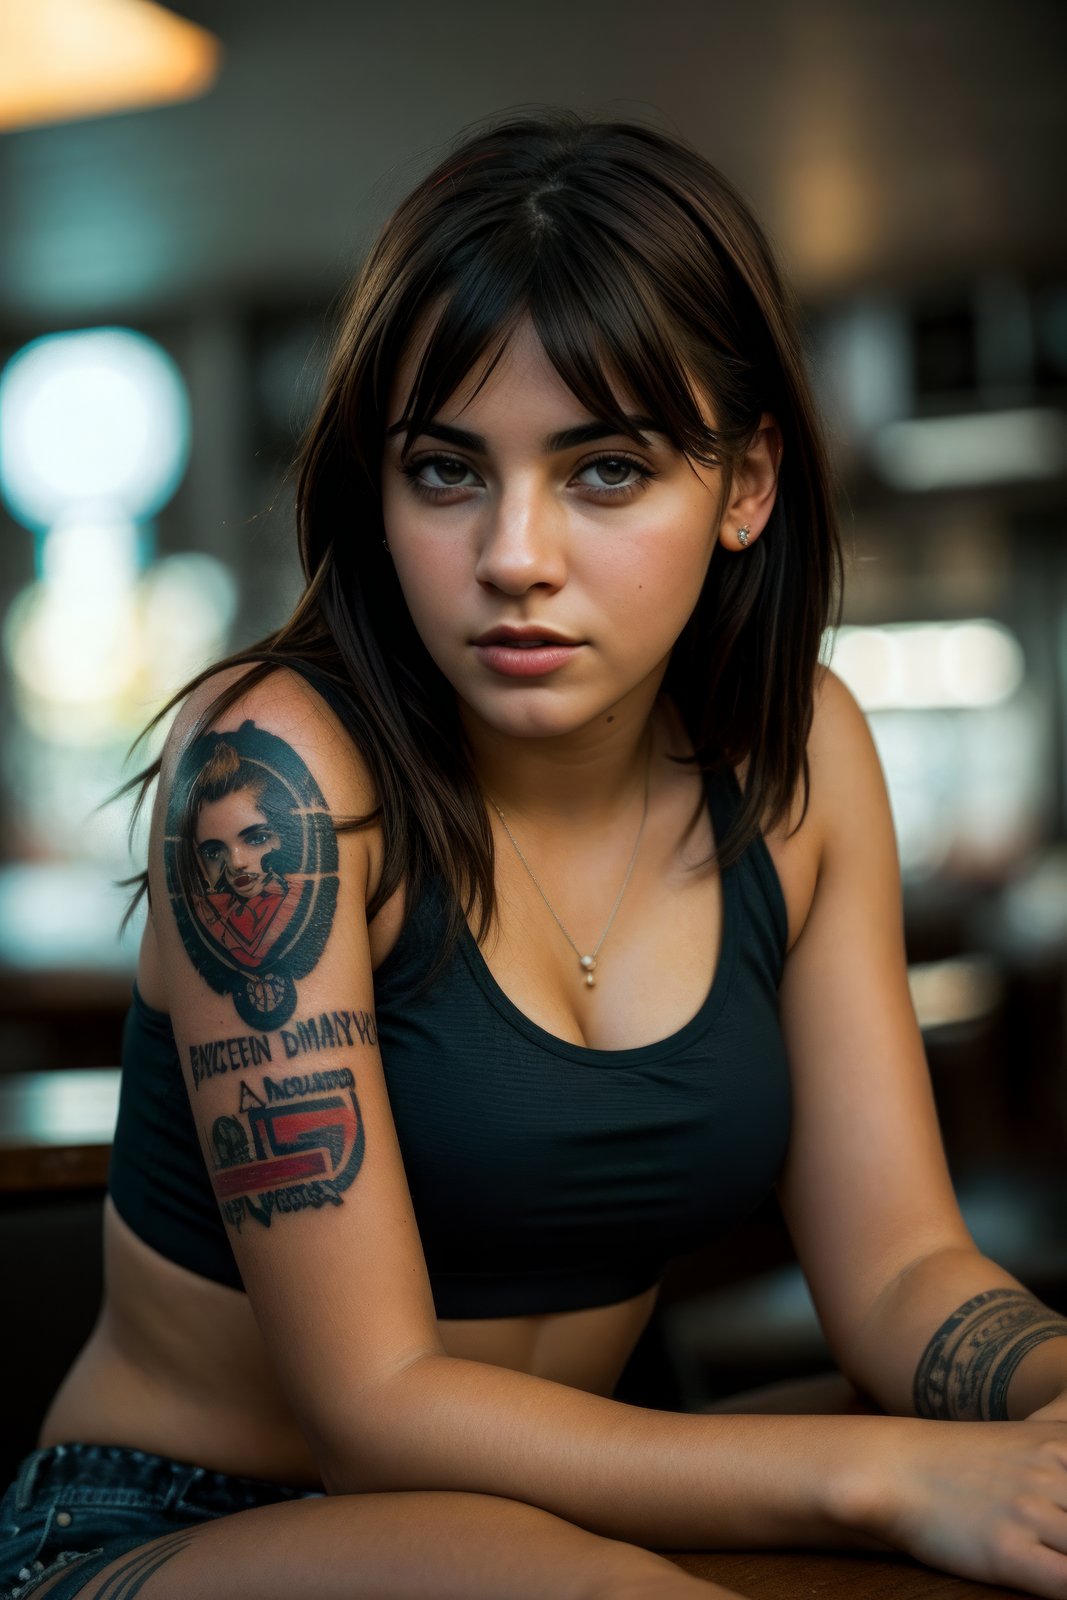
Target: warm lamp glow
(64,59)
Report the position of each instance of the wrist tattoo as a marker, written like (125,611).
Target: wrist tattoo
(964,1372)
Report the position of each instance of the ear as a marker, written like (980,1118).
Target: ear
(754,486)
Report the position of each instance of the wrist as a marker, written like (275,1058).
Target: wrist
(866,1490)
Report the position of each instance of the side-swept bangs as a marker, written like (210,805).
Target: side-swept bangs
(599,332)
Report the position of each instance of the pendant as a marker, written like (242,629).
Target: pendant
(588,965)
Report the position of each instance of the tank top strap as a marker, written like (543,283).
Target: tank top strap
(763,895)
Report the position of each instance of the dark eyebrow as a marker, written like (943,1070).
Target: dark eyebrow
(567,439)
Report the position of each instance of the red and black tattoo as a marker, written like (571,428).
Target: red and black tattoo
(251,862)
(293,1143)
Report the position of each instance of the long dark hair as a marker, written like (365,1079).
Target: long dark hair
(628,251)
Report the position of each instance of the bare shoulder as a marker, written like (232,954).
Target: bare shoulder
(283,725)
(843,777)
(848,789)
(837,718)
(286,704)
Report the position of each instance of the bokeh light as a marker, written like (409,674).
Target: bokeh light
(97,418)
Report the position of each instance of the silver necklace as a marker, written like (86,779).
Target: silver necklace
(587,963)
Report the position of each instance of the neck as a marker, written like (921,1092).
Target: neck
(579,779)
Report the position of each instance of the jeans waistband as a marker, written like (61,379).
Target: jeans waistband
(176,1483)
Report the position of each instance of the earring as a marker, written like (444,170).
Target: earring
(744,534)
(385,544)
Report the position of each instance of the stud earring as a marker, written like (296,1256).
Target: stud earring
(744,534)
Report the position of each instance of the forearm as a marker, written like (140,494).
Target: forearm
(945,1343)
(660,1479)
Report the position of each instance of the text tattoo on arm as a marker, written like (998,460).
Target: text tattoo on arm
(251,863)
(965,1370)
(329,1030)
(293,1141)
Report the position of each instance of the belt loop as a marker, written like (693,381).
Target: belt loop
(182,1480)
(26,1480)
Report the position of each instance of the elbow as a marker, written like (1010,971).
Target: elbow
(376,1440)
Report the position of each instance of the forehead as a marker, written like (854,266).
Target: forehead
(240,807)
(522,370)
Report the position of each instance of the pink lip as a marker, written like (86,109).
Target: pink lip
(529,661)
(523,633)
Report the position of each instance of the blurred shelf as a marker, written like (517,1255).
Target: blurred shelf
(56,1128)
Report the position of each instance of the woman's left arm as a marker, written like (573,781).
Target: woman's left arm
(915,1315)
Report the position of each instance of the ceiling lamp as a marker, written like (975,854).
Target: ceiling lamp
(66,59)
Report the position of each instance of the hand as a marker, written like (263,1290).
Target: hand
(985,1500)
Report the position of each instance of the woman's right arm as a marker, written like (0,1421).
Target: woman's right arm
(299,1140)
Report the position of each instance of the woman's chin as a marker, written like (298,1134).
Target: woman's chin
(533,717)
(545,712)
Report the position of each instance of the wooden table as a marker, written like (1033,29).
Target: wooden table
(798,1575)
(56,1128)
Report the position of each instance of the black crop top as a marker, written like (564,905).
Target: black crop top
(545,1176)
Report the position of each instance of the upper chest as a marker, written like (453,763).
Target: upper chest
(661,954)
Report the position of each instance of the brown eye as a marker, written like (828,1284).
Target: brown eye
(616,469)
(448,469)
(608,465)
(444,467)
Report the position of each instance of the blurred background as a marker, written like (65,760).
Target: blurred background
(184,192)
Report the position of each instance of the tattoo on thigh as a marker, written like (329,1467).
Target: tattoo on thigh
(292,1144)
(965,1370)
(251,863)
(132,1576)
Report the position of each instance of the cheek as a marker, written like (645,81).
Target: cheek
(435,577)
(648,590)
(427,556)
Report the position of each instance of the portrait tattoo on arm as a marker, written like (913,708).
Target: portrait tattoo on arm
(964,1372)
(251,862)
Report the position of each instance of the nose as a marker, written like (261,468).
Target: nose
(523,543)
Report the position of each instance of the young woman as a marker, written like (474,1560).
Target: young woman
(599,937)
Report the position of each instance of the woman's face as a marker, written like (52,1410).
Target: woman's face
(232,837)
(504,535)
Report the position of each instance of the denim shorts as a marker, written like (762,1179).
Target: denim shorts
(81,1505)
